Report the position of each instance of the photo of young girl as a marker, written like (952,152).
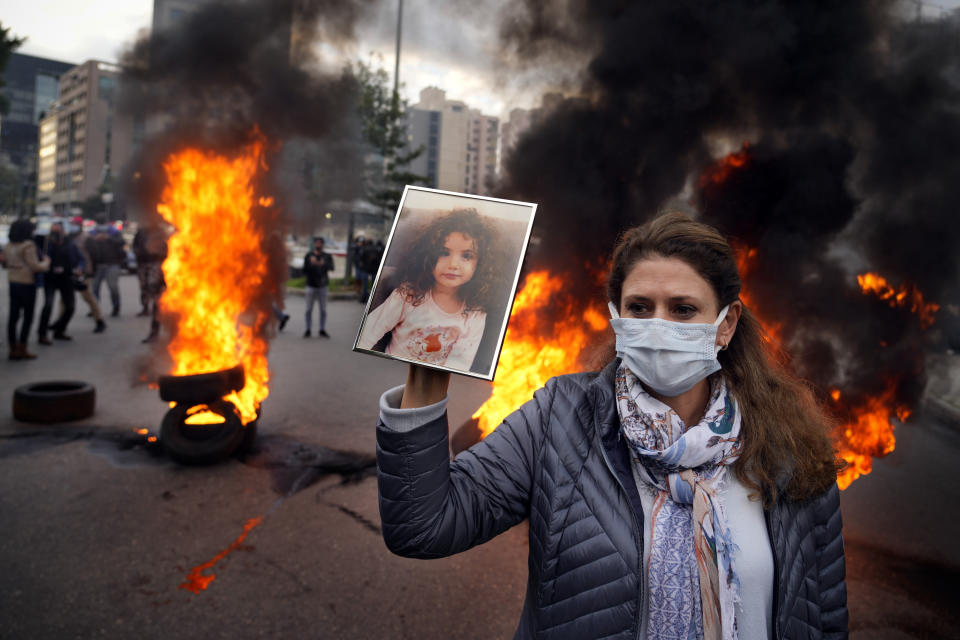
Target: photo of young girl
(449,288)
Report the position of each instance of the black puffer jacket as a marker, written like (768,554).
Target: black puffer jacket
(558,461)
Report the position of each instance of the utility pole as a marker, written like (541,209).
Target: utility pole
(394,102)
(396,64)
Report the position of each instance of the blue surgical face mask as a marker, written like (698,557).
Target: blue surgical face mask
(669,357)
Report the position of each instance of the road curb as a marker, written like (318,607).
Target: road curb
(331,295)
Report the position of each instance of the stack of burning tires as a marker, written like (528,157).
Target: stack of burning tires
(202,425)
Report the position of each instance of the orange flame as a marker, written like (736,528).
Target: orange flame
(196,581)
(868,435)
(529,359)
(721,171)
(906,297)
(215,267)
(746,258)
(201,415)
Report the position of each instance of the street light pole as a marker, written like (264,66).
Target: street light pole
(396,64)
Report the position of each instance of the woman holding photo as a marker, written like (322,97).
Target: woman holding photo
(687,490)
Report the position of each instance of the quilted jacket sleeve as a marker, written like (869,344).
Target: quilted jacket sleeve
(431,507)
(831,564)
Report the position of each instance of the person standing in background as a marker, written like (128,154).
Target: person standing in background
(20,256)
(356,256)
(145,261)
(317,266)
(371,256)
(106,251)
(81,282)
(152,284)
(64,258)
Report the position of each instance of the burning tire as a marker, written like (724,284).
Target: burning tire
(201,388)
(54,401)
(202,434)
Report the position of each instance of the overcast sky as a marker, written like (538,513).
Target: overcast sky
(439,48)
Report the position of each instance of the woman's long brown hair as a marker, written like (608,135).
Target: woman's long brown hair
(786,433)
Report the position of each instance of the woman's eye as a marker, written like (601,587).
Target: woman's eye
(637,308)
(685,311)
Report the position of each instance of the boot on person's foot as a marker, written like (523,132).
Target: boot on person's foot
(43,339)
(101,325)
(16,352)
(154,332)
(26,355)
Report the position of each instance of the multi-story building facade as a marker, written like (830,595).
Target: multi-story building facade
(47,163)
(92,143)
(460,144)
(32,85)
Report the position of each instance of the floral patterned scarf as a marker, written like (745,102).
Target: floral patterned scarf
(693,585)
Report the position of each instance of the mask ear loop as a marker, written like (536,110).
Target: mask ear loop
(723,314)
(613,311)
(723,346)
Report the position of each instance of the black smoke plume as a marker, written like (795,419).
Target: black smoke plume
(233,66)
(229,73)
(852,115)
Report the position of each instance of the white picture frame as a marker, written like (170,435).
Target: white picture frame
(412,312)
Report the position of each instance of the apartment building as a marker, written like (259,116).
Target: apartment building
(460,143)
(92,143)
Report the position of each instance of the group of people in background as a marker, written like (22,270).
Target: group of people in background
(366,255)
(68,261)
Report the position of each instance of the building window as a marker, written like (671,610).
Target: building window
(105,88)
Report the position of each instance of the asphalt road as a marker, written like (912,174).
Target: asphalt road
(98,530)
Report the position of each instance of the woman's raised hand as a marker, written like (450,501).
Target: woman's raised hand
(424,387)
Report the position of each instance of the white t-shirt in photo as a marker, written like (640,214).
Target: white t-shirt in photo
(425,332)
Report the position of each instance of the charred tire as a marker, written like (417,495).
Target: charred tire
(54,401)
(201,388)
(249,438)
(202,444)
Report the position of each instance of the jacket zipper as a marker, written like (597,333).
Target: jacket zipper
(641,596)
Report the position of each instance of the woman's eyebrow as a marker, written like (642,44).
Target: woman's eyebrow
(671,299)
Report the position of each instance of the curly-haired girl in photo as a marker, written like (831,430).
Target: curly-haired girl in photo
(437,313)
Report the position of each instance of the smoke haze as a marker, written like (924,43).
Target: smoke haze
(853,120)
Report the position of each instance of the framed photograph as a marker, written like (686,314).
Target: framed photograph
(443,292)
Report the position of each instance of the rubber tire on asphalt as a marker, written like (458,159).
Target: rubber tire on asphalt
(205,444)
(249,437)
(201,388)
(54,401)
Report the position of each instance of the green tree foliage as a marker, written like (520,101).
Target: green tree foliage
(8,44)
(384,126)
(92,205)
